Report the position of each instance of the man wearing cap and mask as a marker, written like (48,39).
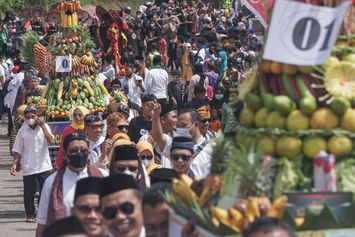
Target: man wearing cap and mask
(188,125)
(58,190)
(121,206)
(87,206)
(125,160)
(32,155)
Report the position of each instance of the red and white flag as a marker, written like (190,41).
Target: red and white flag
(259,8)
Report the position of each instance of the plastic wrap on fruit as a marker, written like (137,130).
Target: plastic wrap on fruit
(324,172)
(287,177)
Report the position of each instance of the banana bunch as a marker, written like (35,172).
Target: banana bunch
(246,211)
(182,189)
(88,59)
(69,6)
(69,20)
(76,62)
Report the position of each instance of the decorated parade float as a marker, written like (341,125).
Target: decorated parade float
(293,155)
(69,62)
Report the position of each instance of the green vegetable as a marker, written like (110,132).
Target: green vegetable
(287,177)
(345,170)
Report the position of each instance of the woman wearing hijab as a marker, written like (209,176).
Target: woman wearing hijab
(77,124)
(146,155)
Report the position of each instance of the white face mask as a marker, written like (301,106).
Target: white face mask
(146,162)
(128,172)
(31,121)
(183,132)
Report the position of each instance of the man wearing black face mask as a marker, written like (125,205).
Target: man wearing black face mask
(58,190)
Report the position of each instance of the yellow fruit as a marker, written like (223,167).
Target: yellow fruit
(297,120)
(324,118)
(237,217)
(313,145)
(289,69)
(340,145)
(260,118)
(275,120)
(184,192)
(267,145)
(265,66)
(288,146)
(275,68)
(247,118)
(348,120)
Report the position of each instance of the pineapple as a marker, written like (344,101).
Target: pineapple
(248,172)
(214,181)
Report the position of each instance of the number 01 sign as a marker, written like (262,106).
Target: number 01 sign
(302,34)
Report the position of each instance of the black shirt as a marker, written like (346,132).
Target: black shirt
(138,127)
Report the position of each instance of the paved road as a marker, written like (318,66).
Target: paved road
(12,214)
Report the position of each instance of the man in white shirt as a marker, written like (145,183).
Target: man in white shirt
(3,79)
(58,191)
(109,72)
(188,125)
(15,83)
(134,87)
(157,81)
(32,155)
(94,130)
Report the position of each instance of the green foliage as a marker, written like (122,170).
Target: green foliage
(18,6)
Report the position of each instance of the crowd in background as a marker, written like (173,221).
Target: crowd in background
(183,61)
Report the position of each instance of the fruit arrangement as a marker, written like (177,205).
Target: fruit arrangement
(68,10)
(118,97)
(36,101)
(186,202)
(300,110)
(80,85)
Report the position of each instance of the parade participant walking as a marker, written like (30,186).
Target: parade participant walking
(32,155)
(142,125)
(58,190)
(94,127)
(77,124)
(134,87)
(121,206)
(157,81)
(87,206)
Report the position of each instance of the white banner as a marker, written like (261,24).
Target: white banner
(63,63)
(302,34)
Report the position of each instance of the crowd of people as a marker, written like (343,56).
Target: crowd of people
(182,63)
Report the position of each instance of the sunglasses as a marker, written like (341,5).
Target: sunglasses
(206,120)
(183,157)
(87,209)
(130,168)
(97,126)
(146,157)
(110,213)
(121,127)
